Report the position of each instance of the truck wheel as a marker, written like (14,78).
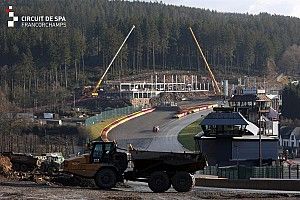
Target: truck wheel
(106,179)
(183,181)
(159,182)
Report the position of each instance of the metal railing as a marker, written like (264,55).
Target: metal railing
(244,172)
(111,114)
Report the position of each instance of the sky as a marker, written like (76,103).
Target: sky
(279,7)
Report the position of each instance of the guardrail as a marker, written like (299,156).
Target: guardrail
(111,114)
(244,172)
(193,109)
(118,122)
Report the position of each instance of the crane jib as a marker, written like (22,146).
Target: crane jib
(95,93)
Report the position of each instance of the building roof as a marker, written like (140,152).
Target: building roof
(263,97)
(252,128)
(272,96)
(224,118)
(243,98)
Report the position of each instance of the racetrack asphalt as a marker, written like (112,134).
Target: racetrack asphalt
(138,131)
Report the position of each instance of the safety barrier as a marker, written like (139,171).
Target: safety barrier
(111,114)
(244,172)
(194,109)
(118,122)
(258,184)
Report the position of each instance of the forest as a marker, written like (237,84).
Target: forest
(290,102)
(41,66)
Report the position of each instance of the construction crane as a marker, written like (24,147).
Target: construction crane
(215,83)
(95,90)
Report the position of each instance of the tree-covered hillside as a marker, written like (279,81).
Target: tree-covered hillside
(41,64)
(291,102)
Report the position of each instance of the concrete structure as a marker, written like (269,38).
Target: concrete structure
(226,140)
(159,84)
(225,88)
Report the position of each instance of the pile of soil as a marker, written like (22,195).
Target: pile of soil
(5,166)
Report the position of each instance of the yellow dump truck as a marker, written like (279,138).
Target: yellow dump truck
(107,165)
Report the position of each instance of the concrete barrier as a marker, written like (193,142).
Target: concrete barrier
(195,110)
(259,184)
(118,122)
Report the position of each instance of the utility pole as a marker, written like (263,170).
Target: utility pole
(260,132)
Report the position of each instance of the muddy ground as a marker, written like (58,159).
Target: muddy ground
(129,191)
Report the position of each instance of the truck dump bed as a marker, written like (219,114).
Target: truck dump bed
(21,162)
(148,161)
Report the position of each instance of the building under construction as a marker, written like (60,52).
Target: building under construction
(143,90)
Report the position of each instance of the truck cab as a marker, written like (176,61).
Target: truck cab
(103,163)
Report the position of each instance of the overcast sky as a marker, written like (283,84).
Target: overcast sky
(280,7)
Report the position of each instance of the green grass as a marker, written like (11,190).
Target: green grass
(96,129)
(186,135)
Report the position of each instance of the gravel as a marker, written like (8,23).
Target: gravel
(133,191)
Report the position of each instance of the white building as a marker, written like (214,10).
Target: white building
(289,139)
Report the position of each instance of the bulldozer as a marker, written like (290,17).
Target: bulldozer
(107,165)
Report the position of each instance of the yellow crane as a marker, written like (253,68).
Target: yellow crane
(95,90)
(215,83)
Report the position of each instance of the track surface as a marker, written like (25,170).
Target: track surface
(138,131)
(166,139)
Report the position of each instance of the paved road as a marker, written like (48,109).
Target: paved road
(166,139)
(138,132)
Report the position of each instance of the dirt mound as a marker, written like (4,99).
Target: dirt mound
(5,166)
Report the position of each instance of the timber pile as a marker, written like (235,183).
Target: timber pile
(5,166)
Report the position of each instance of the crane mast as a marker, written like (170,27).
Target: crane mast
(95,93)
(215,84)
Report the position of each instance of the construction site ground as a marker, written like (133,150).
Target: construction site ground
(128,191)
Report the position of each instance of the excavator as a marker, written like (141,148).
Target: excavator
(216,87)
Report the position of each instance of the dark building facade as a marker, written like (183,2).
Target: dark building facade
(226,141)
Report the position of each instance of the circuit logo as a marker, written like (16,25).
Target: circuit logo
(11,14)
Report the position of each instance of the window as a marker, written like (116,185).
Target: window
(98,151)
(292,137)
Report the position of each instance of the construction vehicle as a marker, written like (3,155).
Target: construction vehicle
(155,129)
(96,88)
(22,162)
(212,76)
(51,163)
(107,165)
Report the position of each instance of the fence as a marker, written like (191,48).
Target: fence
(243,172)
(111,114)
